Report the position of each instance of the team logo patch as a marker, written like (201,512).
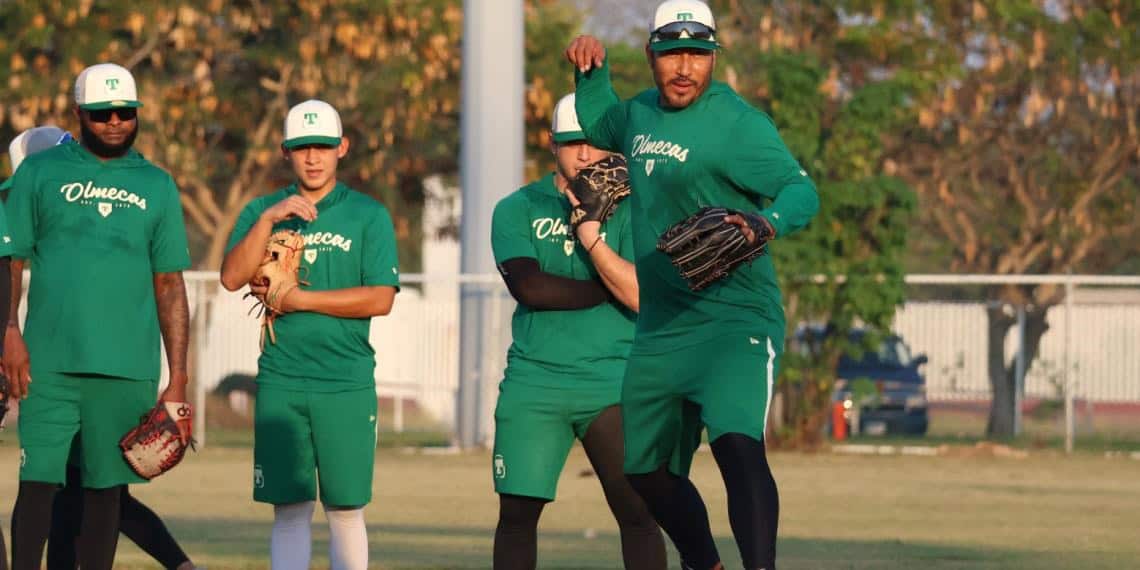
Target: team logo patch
(568,247)
(500,467)
(311,255)
(258,477)
(105,208)
(649,166)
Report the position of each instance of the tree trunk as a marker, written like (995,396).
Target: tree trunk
(1004,380)
(1000,424)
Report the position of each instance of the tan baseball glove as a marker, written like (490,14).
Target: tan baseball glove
(160,440)
(280,272)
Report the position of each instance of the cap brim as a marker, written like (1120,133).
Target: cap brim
(569,136)
(101,106)
(302,141)
(692,43)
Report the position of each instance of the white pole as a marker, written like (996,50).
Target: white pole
(1067,373)
(491,166)
(200,313)
(1019,371)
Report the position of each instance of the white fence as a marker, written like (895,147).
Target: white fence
(1096,352)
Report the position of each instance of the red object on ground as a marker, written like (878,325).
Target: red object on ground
(838,422)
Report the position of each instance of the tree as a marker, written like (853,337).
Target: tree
(1025,158)
(216,79)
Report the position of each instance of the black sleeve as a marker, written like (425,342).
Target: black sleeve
(5,294)
(537,289)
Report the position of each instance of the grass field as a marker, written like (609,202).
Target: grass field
(1046,511)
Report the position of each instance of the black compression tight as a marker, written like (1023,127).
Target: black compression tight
(137,522)
(753,500)
(643,548)
(516,536)
(753,505)
(31,523)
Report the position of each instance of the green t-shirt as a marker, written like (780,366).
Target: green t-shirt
(718,151)
(351,244)
(95,233)
(561,349)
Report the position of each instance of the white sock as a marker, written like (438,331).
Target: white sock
(291,542)
(348,539)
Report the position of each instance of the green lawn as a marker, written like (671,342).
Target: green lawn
(1047,511)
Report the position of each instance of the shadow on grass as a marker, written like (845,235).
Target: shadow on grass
(244,544)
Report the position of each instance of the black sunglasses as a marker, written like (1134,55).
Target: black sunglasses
(104,115)
(674,30)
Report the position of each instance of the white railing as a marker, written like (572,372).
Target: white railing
(1090,351)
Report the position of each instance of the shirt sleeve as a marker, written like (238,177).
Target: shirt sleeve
(245,221)
(169,250)
(601,114)
(21,213)
(510,231)
(380,264)
(759,163)
(5,236)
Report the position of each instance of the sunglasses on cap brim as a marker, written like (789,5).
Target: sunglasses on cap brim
(104,115)
(677,30)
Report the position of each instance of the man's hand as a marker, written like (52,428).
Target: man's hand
(293,206)
(588,232)
(17,364)
(287,301)
(746,226)
(176,390)
(586,52)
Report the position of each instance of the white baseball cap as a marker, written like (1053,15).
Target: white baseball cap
(30,142)
(106,86)
(564,126)
(683,24)
(312,122)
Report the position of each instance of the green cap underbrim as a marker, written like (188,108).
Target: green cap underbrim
(6,184)
(302,141)
(569,136)
(666,45)
(110,105)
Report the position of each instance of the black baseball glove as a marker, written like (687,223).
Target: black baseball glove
(705,248)
(599,188)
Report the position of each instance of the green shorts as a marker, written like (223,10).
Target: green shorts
(100,409)
(667,399)
(299,436)
(534,430)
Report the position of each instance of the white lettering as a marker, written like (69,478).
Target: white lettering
(546,227)
(330,239)
(644,144)
(76,191)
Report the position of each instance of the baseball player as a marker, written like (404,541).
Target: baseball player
(709,357)
(103,231)
(136,520)
(315,413)
(577,301)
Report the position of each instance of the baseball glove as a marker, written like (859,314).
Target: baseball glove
(5,390)
(599,188)
(705,248)
(280,272)
(160,440)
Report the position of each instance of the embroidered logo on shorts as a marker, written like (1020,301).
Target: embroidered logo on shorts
(258,477)
(23,457)
(500,467)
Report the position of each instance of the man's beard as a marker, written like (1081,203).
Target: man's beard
(102,149)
